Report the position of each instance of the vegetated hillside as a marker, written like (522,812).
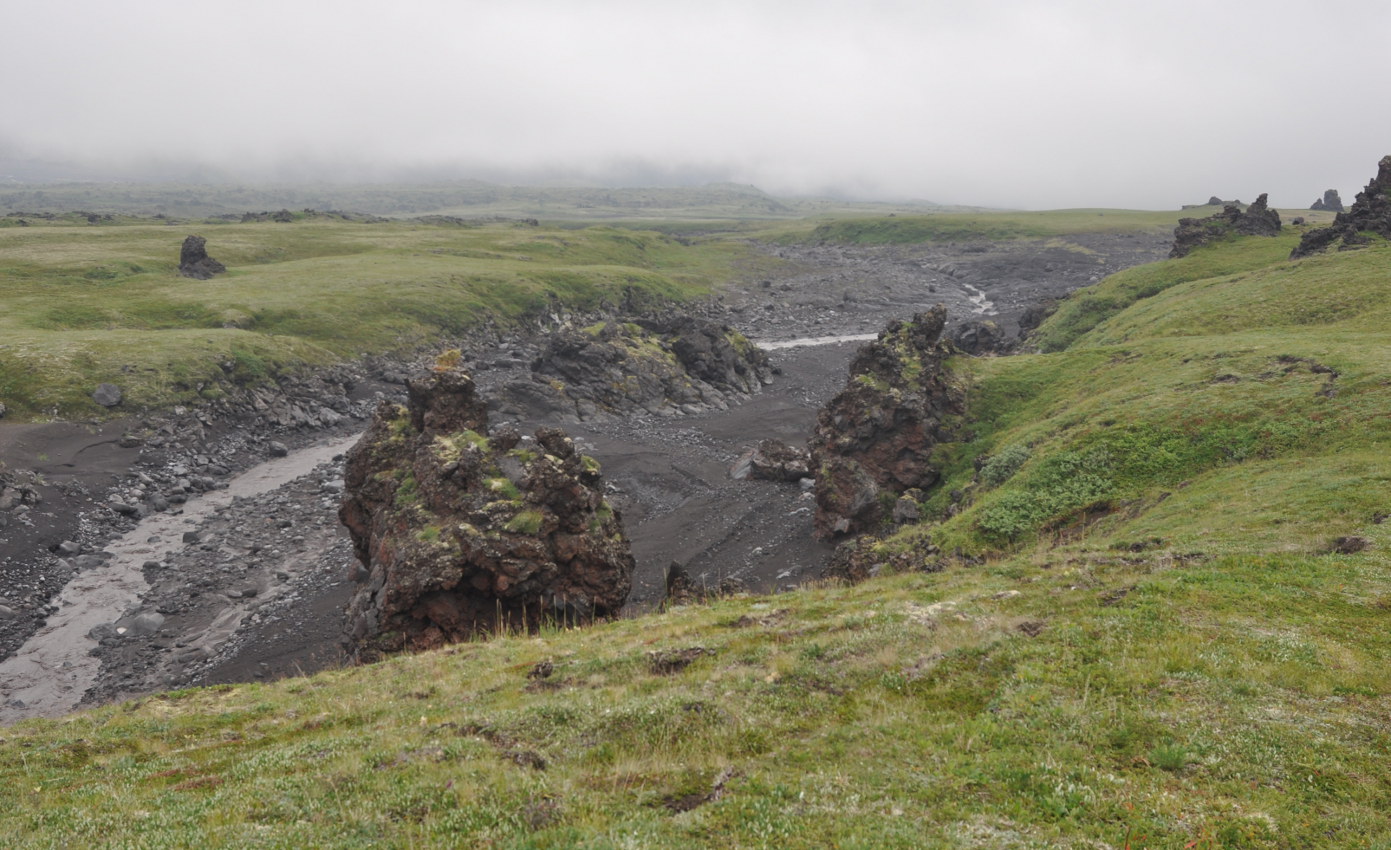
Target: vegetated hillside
(1242,409)
(86,305)
(1160,623)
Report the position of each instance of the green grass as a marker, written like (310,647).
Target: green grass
(105,304)
(1154,701)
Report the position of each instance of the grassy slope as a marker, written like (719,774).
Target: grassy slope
(90,304)
(1158,654)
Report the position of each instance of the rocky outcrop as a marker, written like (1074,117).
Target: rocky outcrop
(1330,202)
(194,261)
(659,366)
(874,440)
(1256,220)
(460,533)
(1369,214)
(977,337)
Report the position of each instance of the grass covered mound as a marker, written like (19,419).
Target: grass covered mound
(87,305)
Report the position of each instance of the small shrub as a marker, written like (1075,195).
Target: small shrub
(1000,467)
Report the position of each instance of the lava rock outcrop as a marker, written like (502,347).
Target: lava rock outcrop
(662,366)
(977,337)
(874,440)
(461,534)
(1258,219)
(1330,202)
(1370,213)
(194,261)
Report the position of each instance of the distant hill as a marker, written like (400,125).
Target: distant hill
(465,198)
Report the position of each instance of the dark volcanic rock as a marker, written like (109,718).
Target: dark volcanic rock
(1035,314)
(874,440)
(194,261)
(980,337)
(1330,201)
(775,460)
(107,395)
(1257,220)
(462,535)
(1370,213)
(660,366)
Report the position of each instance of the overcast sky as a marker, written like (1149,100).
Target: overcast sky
(1027,104)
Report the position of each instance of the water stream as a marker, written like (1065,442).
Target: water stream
(51,672)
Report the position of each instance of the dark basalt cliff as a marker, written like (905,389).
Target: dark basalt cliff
(1370,214)
(461,533)
(874,440)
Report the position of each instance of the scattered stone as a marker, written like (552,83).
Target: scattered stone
(277,449)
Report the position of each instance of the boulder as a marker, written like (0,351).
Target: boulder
(107,395)
(461,534)
(1370,213)
(874,440)
(194,261)
(1256,220)
(775,460)
(980,337)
